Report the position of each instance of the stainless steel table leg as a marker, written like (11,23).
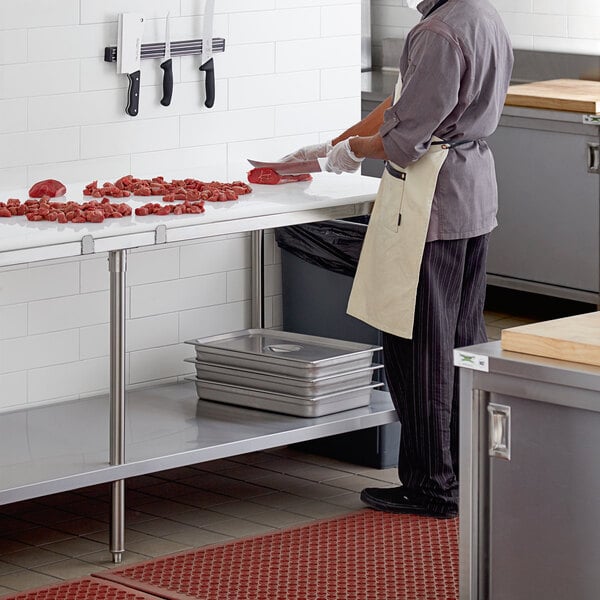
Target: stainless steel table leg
(117,263)
(258,302)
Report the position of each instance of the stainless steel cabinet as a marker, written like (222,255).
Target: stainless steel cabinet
(547,240)
(530,480)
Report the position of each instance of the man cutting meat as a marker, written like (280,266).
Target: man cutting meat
(421,274)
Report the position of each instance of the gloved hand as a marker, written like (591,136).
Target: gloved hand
(341,159)
(308,152)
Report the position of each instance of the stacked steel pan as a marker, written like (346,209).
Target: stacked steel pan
(284,372)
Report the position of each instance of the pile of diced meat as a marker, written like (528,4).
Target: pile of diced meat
(191,192)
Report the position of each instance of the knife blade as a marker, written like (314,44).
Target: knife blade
(207,60)
(167,66)
(129,51)
(297,167)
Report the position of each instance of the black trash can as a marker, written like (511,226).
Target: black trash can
(318,263)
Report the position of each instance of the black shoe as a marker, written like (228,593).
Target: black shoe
(398,500)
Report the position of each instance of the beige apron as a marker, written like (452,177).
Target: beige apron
(384,291)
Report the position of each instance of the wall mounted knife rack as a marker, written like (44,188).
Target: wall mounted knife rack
(157,50)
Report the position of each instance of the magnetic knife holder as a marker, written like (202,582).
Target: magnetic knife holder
(157,50)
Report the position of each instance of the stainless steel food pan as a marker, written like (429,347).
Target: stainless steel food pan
(290,354)
(284,403)
(283,384)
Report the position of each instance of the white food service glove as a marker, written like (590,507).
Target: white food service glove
(308,152)
(341,159)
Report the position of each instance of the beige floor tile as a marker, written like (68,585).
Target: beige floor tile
(26,580)
(130,536)
(137,515)
(156,547)
(238,528)
(161,527)
(166,508)
(10,525)
(48,517)
(311,490)
(301,506)
(4,591)
(281,500)
(241,510)
(224,485)
(39,536)
(204,499)
(512,322)
(9,545)
(321,510)
(354,483)
(82,526)
(75,547)
(200,517)
(32,557)
(350,501)
(70,568)
(280,519)
(493,333)
(248,473)
(199,537)
(491,316)
(163,489)
(104,558)
(387,475)
(6,568)
(136,499)
(313,472)
(370,471)
(96,509)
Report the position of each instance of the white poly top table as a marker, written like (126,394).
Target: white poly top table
(68,445)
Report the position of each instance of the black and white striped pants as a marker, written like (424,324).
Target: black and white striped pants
(421,377)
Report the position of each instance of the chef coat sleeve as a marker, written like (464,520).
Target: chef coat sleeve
(430,92)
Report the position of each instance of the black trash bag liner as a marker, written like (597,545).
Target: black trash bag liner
(332,245)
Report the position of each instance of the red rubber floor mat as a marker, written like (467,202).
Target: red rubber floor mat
(88,588)
(368,555)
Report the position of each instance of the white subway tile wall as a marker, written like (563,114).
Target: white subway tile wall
(548,25)
(290,76)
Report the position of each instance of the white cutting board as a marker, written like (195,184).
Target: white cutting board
(575,339)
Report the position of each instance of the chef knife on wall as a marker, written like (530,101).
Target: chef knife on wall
(207,59)
(167,66)
(129,51)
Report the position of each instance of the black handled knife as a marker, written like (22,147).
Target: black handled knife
(129,49)
(207,60)
(167,67)
(133,94)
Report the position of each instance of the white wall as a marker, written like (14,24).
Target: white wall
(290,76)
(550,25)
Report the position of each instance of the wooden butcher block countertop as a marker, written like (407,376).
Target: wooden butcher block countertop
(575,95)
(575,339)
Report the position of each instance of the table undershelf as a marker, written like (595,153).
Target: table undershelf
(65,446)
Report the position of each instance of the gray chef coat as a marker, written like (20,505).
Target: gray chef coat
(456,67)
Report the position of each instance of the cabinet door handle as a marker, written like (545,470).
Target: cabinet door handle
(594,158)
(499,430)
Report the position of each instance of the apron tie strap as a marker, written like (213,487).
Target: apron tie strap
(394,172)
(450,145)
